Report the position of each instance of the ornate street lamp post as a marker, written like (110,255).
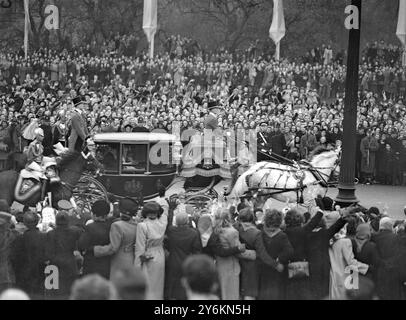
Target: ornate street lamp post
(346,187)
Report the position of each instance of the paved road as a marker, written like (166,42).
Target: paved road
(389,197)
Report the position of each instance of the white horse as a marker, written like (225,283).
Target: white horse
(288,183)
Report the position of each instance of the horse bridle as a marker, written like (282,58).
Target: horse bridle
(321,175)
(325,177)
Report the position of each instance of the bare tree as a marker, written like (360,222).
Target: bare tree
(231,18)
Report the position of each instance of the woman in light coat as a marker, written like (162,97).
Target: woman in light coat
(149,251)
(122,238)
(344,266)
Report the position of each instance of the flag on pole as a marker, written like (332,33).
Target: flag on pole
(150,22)
(401,29)
(277,30)
(26,26)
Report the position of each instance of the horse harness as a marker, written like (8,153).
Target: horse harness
(298,174)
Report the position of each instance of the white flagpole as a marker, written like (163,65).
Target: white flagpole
(278,51)
(26,26)
(149,23)
(151,44)
(401,27)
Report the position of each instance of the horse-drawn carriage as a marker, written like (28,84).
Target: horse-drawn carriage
(136,163)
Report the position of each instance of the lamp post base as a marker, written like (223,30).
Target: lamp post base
(346,195)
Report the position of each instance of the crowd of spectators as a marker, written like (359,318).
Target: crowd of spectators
(295,106)
(301,97)
(170,250)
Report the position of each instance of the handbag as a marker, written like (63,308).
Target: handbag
(145,257)
(298,270)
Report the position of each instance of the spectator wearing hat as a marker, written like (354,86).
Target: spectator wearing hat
(96,233)
(140,127)
(75,220)
(149,251)
(7,242)
(122,237)
(61,251)
(181,241)
(30,257)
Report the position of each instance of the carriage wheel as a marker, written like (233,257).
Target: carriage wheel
(199,202)
(87,191)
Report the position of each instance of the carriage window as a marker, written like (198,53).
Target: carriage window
(134,158)
(160,159)
(107,154)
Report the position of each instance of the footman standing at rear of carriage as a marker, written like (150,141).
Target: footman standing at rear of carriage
(78,131)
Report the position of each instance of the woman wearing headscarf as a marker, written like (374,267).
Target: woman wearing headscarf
(365,250)
(122,238)
(149,251)
(271,281)
(181,241)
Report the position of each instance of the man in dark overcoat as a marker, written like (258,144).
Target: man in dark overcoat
(96,234)
(78,131)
